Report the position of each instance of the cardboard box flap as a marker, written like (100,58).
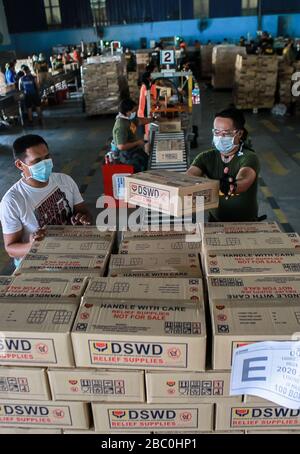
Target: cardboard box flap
(63,262)
(154,261)
(239,227)
(169,178)
(159,246)
(88,232)
(71,246)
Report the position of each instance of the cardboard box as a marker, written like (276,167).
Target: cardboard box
(259,263)
(88,232)
(84,265)
(117,333)
(187,232)
(93,432)
(156,265)
(260,288)
(71,246)
(236,324)
(251,242)
(187,387)
(36,334)
(5,282)
(140,417)
(239,227)
(170,150)
(95,385)
(130,288)
(231,416)
(161,246)
(171,193)
(24,383)
(170,126)
(18,431)
(51,287)
(266,432)
(58,415)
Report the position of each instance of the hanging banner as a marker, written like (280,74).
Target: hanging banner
(4,35)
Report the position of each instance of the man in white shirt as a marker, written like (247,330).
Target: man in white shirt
(38,199)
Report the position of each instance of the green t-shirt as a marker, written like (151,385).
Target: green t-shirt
(240,207)
(125,131)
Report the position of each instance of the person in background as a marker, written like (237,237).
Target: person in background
(20,74)
(235,164)
(145,87)
(42,70)
(77,56)
(131,148)
(289,52)
(28,86)
(242,41)
(67,59)
(38,199)
(10,73)
(266,44)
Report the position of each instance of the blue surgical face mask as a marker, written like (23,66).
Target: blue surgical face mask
(132,116)
(224,144)
(41,171)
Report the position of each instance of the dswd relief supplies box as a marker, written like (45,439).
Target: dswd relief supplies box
(251,242)
(178,387)
(258,288)
(24,383)
(231,416)
(5,282)
(252,264)
(83,265)
(135,417)
(18,431)
(155,265)
(36,334)
(60,415)
(170,150)
(187,231)
(141,289)
(161,246)
(71,246)
(93,385)
(53,287)
(171,192)
(152,335)
(87,232)
(240,323)
(239,227)
(170,126)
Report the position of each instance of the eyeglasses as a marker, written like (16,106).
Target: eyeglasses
(224,132)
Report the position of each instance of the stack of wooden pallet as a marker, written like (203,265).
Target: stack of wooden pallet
(285,72)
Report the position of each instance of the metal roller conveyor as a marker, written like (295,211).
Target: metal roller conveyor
(181,166)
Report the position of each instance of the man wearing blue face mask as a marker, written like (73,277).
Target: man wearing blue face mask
(235,164)
(38,199)
(131,148)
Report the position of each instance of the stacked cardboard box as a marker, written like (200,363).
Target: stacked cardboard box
(223,61)
(142,60)
(134,91)
(296,99)
(103,86)
(206,61)
(170,150)
(285,73)
(255,81)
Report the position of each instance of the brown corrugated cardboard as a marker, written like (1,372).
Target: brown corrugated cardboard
(239,323)
(83,265)
(138,417)
(161,246)
(36,334)
(259,263)
(24,383)
(93,432)
(187,387)
(18,431)
(59,415)
(5,282)
(168,232)
(170,126)
(119,333)
(93,385)
(250,242)
(170,150)
(258,288)
(69,246)
(240,227)
(142,289)
(88,232)
(230,416)
(170,192)
(266,432)
(39,287)
(155,265)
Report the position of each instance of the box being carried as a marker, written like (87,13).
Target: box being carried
(36,334)
(97,385)
(171,193)
(130,288)
(236,324)
(259,263)
(83,265)
(263,242)
(212,228)
(156,265)
(69,246)
(116,333)
(111,418)
(159,246)
(24,383)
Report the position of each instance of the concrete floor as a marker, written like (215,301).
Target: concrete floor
(77,145)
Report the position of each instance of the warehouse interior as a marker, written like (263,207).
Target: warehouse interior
(110,326)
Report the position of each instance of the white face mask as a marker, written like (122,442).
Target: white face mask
(224,144)
(132,116)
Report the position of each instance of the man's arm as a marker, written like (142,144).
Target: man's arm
(130,145)
(244,180)
(14,246)
(194,171)
(81,216)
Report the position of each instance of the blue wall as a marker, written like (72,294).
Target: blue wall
(232,28)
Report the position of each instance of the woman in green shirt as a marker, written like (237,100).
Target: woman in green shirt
(235,164)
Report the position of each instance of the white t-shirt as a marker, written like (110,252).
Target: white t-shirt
(28,208)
